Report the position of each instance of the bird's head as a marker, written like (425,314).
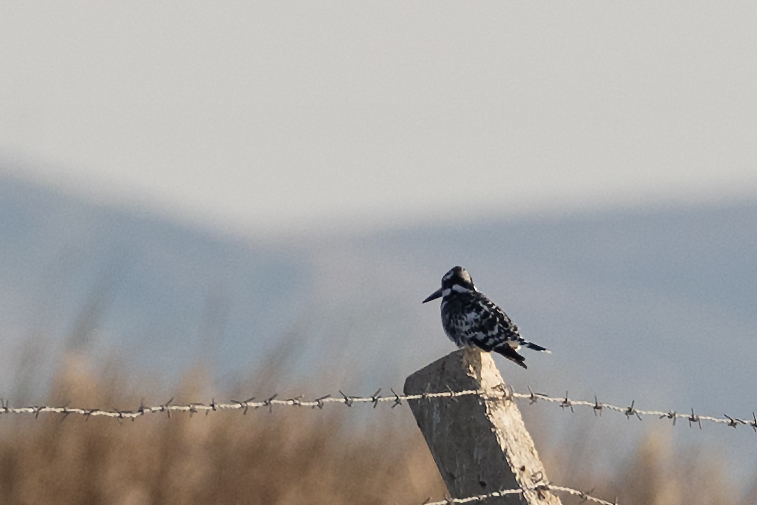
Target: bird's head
(457,280)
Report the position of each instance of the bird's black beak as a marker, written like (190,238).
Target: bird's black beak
(433,296)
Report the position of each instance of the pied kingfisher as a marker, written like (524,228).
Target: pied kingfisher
(470,319)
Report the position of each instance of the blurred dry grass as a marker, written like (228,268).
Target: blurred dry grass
(292,456)
(297,456)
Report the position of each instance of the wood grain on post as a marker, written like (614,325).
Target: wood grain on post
(479,443)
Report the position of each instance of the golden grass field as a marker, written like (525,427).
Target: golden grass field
(289,455)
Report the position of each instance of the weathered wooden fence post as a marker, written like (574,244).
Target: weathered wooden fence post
(479,442)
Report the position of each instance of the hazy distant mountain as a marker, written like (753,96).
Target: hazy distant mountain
(659,306)
(158,293)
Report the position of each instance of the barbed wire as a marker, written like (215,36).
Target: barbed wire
(470,499)
(540,489)
(630,411)
(584,496)
(395,399)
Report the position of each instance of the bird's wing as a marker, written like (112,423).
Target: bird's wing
(503,321)
(492,326)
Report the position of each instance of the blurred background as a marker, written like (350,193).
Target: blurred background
(248,198)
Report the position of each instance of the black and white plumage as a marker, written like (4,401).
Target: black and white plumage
(470,319)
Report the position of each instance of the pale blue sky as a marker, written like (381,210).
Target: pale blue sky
(270,116)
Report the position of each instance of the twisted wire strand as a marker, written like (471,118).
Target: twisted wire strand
(631,411)
(539,489)
(581,494)
(395,399)
(477,498)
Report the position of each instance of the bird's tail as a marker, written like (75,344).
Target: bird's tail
(508,352)
(535,347)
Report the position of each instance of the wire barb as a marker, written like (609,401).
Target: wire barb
(733,422)
(269,403)
(585,496)
(567,403)
(630,411)
(670,415)
(375,398)
(398,401)
(347,400)
(165,407)
(597,406)
(695,419)
(319,401)
(507,391)
(534,397)
(425,394)
(453,397)
(120,417)
(244,405)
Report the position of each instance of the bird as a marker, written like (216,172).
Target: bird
(470,319)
